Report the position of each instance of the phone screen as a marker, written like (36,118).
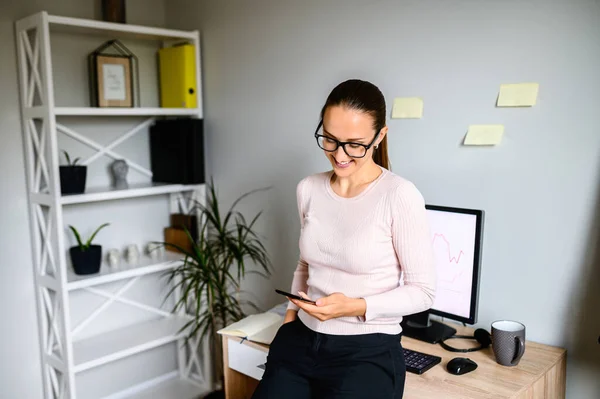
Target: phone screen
(295,297)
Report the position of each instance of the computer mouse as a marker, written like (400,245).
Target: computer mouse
(460,366)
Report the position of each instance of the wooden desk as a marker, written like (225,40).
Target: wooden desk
(541,373)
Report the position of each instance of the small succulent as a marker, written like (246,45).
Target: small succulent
(69,159)
(85,246)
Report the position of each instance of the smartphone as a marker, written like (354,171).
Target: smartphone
(298,297)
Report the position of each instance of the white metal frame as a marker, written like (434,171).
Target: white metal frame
(52,280)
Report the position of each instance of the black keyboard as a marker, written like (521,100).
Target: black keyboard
(418,362)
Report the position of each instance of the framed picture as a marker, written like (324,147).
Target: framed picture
(114,81)
(113,76)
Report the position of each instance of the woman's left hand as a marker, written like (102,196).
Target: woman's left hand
(333,306)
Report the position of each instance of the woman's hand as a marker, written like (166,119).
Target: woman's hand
(290,315)
(333,306)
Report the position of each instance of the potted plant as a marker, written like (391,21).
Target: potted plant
(214,265)
(72,176)
(86,257)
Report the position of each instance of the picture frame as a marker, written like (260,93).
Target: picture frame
(113,76)
(114,81)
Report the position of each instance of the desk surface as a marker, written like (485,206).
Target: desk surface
(489,380)
(541,372)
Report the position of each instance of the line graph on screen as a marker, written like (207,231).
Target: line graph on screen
(451,258)
(453,245)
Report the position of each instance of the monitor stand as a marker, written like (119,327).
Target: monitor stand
(419,327)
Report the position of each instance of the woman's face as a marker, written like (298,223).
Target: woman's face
(344,124)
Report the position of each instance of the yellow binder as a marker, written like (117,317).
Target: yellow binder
(177,71)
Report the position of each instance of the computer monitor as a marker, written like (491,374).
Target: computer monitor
(456,236)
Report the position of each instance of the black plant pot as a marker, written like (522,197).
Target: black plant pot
(88,261)
(72,179)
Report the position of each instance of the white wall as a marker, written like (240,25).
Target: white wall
(20,372)
(269,64)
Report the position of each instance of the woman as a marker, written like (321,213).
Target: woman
(361,227)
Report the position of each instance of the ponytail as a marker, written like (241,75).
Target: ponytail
(380,154)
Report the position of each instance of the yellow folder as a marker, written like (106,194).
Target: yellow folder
(177,71)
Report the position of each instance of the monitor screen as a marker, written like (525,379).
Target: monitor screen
(455,239)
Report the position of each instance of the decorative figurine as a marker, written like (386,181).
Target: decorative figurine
(132,254)
(119,170)
(113,257)
(154,250)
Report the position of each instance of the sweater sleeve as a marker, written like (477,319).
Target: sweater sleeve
(299,282)
(412,243)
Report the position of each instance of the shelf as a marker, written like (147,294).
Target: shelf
(136,111)
(78,25)
(166,386)
(134,191)
(171,389)
(109,274)
(114,345)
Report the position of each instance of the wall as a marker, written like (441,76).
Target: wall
(269,64)
(20,375)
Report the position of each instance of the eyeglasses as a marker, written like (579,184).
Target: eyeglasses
(352,149)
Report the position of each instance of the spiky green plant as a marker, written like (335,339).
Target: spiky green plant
(68,158)
(209,278)
(213,268)
(85,246)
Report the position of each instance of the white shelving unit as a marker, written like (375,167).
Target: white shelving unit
(64,354)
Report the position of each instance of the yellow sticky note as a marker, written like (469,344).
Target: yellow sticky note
(518,95)
(407,107)
(484,135)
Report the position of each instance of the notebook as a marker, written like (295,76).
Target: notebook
(260,328)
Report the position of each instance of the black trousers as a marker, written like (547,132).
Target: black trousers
(303,364)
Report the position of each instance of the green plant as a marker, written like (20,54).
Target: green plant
(85,246)
(209,278)
(68,158)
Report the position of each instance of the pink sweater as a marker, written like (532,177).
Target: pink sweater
(362,247)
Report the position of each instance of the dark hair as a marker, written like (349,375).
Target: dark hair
(366,97)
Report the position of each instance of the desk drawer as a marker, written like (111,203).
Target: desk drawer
(246,359)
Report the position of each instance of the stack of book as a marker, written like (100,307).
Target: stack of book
(175,234)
